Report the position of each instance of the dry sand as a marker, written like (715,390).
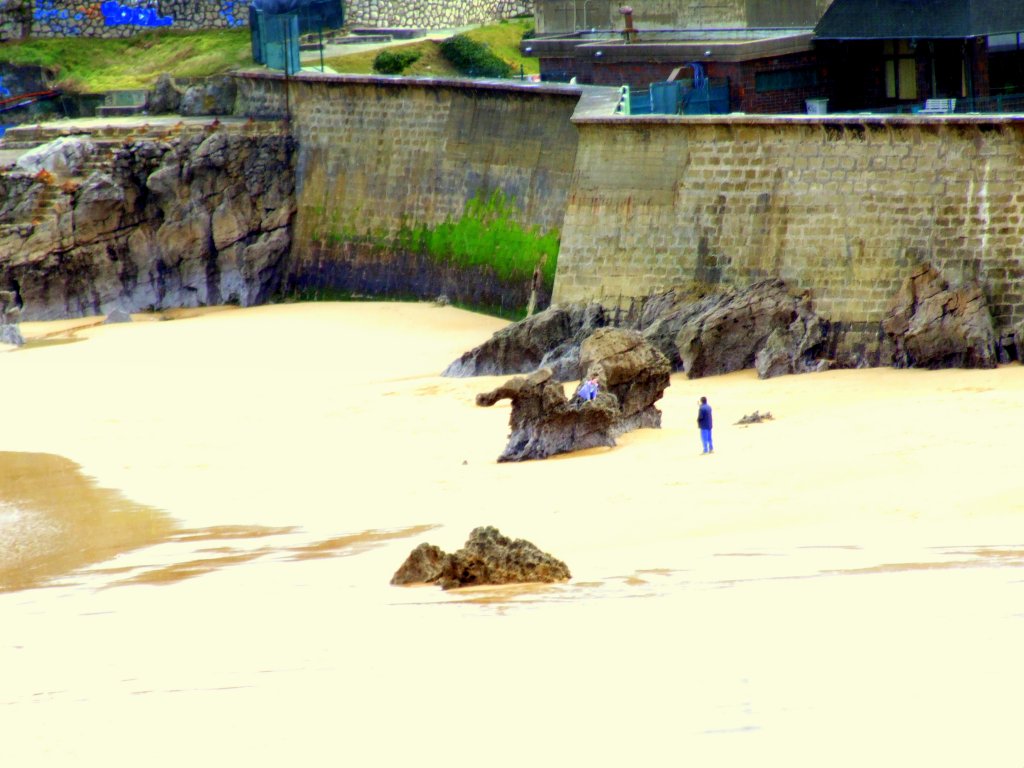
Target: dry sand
(838,586)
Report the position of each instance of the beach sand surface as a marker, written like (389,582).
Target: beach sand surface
(200,513)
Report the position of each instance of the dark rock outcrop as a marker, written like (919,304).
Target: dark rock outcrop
(117,316)
(213,96)
(10,313)
(632,370)
(165,96)
(549,339)
(700,333)
(188,219)
(633,376)
(488,557)
(929,325)
(725,332)
(545,423)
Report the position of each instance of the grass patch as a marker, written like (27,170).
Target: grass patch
(92,65)
(429,64)
(502,38)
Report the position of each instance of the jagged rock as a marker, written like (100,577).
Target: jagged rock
(698,332)
(11,334)
(118,316)
(548,339)
(215,96)
(545,423)
(632,374)
(165,96)
(756,418)
(9,315)
(632,370)
(724,332)
(63,157)
(928,325)
(488,557)
(423,566)
(796,349)
(189,219)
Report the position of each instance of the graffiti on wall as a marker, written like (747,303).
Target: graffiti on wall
(117,14)
(68,18)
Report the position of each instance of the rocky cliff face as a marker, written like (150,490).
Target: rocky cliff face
(188,218)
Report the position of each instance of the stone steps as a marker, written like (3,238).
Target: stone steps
(120,110)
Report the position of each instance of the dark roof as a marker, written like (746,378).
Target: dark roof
(886,19)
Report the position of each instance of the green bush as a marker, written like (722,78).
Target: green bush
(394,62)
(474,58)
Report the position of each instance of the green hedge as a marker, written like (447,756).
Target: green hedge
(473,58)
(394,62)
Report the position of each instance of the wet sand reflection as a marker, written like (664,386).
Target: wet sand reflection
(54,520)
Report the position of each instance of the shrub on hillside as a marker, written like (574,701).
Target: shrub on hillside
(394,62)
(474,58)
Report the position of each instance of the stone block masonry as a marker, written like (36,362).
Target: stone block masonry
(431,14)
(842,207)
(125,18)
(387,165)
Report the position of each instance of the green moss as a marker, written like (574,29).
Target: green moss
(488,234)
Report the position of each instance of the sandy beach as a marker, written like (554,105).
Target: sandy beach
(200,513)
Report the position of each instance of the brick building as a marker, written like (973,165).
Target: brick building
(763,49)
(775,56)
(889,53)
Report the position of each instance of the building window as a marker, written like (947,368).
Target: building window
(900,70)
(785,79)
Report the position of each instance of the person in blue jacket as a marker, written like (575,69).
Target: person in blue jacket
(588,389)
(704,425)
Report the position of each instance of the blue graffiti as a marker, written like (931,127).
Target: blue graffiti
(229,12)
(115,14)
(56,18)
(4,90)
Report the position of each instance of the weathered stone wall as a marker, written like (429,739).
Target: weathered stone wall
(386,164)
(431,14)
(124,18)
(841,207)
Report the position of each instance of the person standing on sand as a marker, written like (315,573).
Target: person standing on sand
(704,425)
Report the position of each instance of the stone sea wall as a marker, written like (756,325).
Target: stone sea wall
(428,187)
(124,18)
(842,207)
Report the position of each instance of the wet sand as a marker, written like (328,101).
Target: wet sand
(841,585)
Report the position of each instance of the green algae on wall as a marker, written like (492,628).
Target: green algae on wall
(487,235)
(487,244)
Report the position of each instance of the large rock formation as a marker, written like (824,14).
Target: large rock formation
(929,325)
(700,333)
(187,219)
(630,369)
(549,339)
(632,375)
(9,316)
(723,332)
(487,558)
(544,423)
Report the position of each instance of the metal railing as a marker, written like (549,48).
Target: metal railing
(1002,103)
